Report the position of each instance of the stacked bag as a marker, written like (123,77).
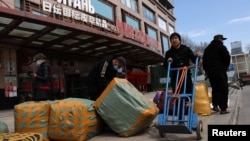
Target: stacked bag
(32,117)
(3,127)
(125,109)
(21,137)
(64,120)
(74,119)
(6,136)
(202,99)
(121,106)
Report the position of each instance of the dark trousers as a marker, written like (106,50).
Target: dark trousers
(93,92)
(41,94)
(219,84)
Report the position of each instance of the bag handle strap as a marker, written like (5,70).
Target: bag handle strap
(181,80)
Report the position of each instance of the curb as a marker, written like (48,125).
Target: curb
(236,108)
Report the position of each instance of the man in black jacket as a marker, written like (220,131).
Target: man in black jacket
(102,73)
(216,60)
(42,79)
(180,56)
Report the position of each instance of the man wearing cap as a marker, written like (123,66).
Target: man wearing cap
(216,60)
(42,82)
(102,73)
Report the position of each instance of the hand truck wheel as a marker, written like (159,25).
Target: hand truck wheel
(199,130)
(162,135)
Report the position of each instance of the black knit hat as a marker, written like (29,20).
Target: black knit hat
(175,34)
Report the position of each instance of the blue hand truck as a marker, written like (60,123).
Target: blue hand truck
(182,118)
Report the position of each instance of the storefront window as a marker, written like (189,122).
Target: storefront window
(152,32)
(148,14)
(103,9)
(132,4)
(133,22)
(162,23)
(171,29)
(18,4)
(164,42)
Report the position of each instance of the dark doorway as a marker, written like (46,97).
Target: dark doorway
(75,86)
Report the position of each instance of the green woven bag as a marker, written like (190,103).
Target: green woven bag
(4,128)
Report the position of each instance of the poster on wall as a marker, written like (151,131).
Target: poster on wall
(11,66)
(11,87)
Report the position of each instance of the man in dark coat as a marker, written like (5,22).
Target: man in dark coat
(216,60)
(102,73)
(42,78)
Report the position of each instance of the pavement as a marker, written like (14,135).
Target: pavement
(152,133)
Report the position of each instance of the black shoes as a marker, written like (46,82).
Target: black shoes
(224,112)
(216,109)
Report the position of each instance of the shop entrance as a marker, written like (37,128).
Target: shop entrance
(75,86)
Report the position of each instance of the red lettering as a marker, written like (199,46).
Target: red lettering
(120,28)
(143,37)
(129,30)
(155,44)
(137,35)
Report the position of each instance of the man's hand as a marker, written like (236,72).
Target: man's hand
(34,75)
(198,54)
(170,59)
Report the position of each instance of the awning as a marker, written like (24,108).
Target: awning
(27,30)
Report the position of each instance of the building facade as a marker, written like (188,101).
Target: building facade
(74,34)
(236,48)
(241,64)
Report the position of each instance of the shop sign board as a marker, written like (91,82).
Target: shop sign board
(68,9)
(83,10)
